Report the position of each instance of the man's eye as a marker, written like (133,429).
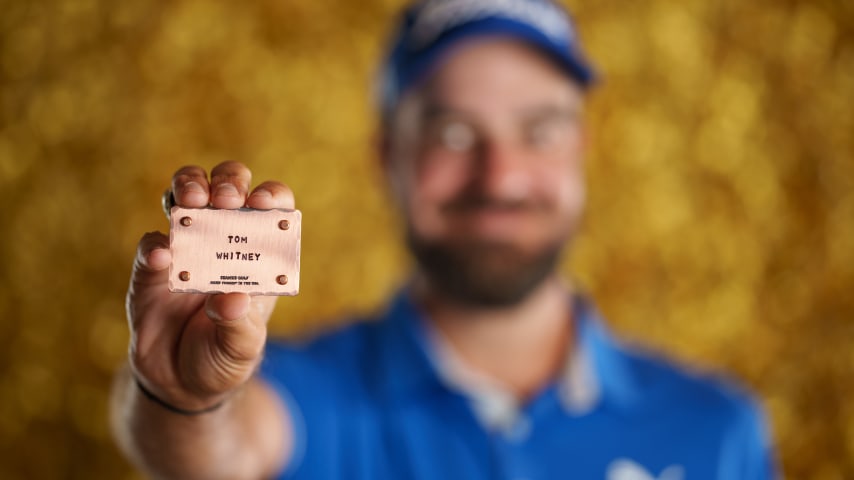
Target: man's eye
(456,136)
(542,134)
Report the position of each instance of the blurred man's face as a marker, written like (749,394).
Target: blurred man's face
(486,162)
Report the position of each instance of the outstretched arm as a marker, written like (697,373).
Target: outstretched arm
(187,404)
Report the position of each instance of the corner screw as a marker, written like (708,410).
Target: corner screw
(186,221)
(284,224)
(184,276)
(282,279)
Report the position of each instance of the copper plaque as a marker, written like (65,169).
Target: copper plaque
(245,250)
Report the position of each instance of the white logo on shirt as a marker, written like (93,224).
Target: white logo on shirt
(625,469)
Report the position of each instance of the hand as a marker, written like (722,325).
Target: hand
(193,350)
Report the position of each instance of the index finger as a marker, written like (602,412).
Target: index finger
(190,187)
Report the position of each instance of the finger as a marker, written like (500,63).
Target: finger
(229,185)
(271,195)
(152,253)
(190,187)
(149,278)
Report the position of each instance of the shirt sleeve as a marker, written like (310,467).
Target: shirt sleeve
(747,452)
(274,372)
(305,389)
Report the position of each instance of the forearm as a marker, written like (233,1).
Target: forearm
(245,438)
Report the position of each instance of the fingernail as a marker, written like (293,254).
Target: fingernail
(262,193)
(193,187)
(226,189)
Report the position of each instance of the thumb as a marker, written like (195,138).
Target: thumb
(227,309)
(238,337)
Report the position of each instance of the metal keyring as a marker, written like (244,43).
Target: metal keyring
(168,201)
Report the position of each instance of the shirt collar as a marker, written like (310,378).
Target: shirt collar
(414,359)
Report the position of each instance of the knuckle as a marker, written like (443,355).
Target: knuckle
(148,237)
(183,179)
(231,167)
(191,170)
(226,178)
(232,164)
(274,186)
(150,241)
(234,171)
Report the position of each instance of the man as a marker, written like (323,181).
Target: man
(487,365)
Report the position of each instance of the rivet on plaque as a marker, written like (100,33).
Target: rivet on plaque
(186,221)
(284,225)
(282,279)
(184,276)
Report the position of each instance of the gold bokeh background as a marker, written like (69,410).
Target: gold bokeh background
(720,227)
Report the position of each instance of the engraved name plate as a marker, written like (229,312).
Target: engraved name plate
(245,250)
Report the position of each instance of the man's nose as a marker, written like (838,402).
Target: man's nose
(502,172)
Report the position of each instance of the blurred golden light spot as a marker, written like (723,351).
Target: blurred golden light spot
(794,293)
(810,37)
(667,203)
(680,45)
(12,163)
(619,43)
(644,142)
(34,338)
(12,424)
(108,336)
(843,70)
(54,113)
(75,24)
(22,50)
(841,230)
(828,472)
(88,409)
(733,107)
(72,11)
(37,391)
(127,15)
(781,411)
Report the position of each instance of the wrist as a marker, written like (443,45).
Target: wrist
(151,397)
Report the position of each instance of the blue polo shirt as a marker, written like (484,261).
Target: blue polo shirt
(372,401)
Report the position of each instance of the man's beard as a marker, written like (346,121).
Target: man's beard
(483,273)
